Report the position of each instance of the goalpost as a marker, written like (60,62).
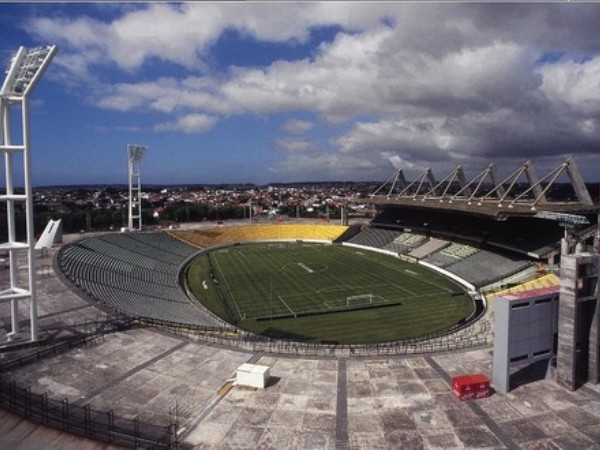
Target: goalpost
(358,300)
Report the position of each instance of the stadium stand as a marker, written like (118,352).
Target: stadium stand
(228,235)
(375,237)
(450,254)
(484,267)
(525,235)
(431,246)
(134,273)
(545,281)
(406,242)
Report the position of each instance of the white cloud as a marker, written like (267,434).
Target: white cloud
(191,123)
(324,165)
(296,126)
(183,33)
(575,85)
(293,145)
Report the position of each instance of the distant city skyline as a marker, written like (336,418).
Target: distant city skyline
(316,91)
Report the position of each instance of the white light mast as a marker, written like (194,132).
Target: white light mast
(135,152)
(24,72)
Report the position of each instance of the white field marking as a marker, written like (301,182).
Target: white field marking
(377,300)
(422,281)
(305,267)
(332,288)
(347,286)
(228,288)
(408,291)
(286,305)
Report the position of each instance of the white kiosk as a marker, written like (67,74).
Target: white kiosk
(252,375)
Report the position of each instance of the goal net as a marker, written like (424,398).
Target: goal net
(358,300)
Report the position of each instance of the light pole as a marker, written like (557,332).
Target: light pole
(135,153)
(24,72)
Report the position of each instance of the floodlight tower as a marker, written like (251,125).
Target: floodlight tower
(136,152)
(24,72)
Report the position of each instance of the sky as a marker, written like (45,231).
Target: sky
(248,92)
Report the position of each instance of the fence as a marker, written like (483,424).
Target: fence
(83,420)
(461,337)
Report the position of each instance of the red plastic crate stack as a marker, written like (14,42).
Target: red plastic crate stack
(468,387)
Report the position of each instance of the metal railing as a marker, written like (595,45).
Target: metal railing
(83,420)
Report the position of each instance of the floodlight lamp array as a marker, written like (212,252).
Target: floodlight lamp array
(25,70)
(136,152)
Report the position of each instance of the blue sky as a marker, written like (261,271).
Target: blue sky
(266,92)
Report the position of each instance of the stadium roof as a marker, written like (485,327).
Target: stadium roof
(485,195)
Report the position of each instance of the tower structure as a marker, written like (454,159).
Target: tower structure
(24,72)
(578,356)
(135,153)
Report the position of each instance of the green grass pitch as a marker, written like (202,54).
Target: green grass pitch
(300,291)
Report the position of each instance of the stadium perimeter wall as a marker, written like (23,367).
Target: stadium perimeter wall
(371,249)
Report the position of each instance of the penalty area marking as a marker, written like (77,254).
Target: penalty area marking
(286,305)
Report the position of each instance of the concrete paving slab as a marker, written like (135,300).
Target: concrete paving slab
(291,420)
(575,441)
(207,436)
(322,422)
(364,440)
(242,437)
(364,422)
(314,440)
(522,431)
(293,402)
(437,439)
(323,403)
(405,439)
(253,417)
(477,437)
(278,438)
(431,419)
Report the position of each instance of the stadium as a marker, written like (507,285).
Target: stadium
(140,336)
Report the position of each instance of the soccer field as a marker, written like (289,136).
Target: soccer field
(325,293)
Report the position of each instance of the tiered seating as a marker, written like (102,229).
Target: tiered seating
(431,246)
(198,238)
(134,273)
(451,254)
(545,281)
(405,242)
(249,233)
(374,237)
(519,234)
(485,267)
